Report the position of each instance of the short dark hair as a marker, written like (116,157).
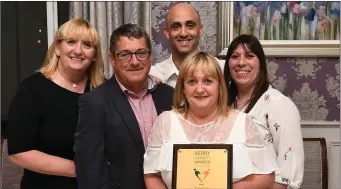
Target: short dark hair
(129,30)
(249,43)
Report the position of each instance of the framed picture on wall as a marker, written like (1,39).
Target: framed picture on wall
(300,29)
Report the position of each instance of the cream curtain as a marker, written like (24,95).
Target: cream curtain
(107,16)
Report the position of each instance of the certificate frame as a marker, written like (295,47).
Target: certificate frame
(202,147)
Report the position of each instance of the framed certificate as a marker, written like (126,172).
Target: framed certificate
(202,166)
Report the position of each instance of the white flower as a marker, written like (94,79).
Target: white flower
(249,11)
(303,5)
(322,7)
(277,15)
(284,8)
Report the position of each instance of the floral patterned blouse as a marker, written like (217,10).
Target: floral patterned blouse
(278,119)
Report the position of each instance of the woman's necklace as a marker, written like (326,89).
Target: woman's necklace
(74,85)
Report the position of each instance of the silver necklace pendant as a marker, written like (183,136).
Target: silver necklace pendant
(74,85)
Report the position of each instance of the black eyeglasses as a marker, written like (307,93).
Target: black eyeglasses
(126,55)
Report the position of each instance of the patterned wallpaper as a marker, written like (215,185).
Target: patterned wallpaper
(312,83)
(207,11)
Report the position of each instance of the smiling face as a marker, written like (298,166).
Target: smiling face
(131,73)
(200,86)
(244,67)
(75,54)
(183,29)
(201,91)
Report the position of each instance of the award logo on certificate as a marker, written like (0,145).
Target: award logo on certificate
(202,166)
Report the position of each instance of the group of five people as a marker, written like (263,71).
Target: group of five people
(70,128)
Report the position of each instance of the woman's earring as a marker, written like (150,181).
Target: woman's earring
(182,103)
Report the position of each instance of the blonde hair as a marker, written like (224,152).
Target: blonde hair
(209,66)
(77,29)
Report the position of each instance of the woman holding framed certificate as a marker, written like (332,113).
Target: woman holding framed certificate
(200,116)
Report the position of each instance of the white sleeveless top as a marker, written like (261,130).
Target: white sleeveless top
(247,158)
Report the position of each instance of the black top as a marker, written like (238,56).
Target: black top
(43,116)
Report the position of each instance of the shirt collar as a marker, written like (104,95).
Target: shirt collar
(172,69)
(151,85)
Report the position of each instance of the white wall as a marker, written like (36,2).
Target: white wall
(331,132)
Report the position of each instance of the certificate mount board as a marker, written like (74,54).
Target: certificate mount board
(202,166)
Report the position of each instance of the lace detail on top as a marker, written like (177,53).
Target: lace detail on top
(213,132)
(160,131)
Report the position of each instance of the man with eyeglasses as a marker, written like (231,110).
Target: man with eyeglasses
(183,30)
(115,119)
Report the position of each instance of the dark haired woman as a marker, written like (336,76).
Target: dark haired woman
(276,115)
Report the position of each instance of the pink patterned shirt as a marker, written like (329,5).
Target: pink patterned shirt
(143,107)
